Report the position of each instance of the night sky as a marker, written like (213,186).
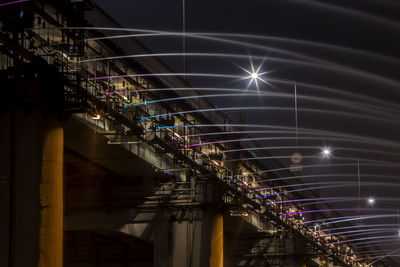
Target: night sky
(369,66)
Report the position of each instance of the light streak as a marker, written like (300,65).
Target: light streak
(355,218)
(343,103)
(330,219)
(362,239)
(208,36)
(329,133)
(357,226)
(297,185)
(311,110)
(303,189)
(170,74)
(325,175)
(270,38)
(195,97)
(331,210)
(361,232)
(385,165)
(252,139)
(14,2)
(379,104)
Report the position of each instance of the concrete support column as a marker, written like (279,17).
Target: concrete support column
(33,167)
(198,242)
(51,195)
(217,241)
(161,244)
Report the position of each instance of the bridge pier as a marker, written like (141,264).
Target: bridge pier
(31,156)
(197,242)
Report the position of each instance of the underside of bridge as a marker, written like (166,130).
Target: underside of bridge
(86,180)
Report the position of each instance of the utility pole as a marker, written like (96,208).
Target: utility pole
(184,42)
(296,117)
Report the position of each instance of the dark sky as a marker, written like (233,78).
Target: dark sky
(365,26)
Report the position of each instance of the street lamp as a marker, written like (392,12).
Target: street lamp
(326,152)
(254,75)
(371,201)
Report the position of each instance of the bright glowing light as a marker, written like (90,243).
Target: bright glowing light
(371,201)
(254,75)
(96,117)
(326,152)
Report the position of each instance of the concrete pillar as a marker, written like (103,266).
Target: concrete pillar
(51,195)
(197,242)
(161,244)
(217,242)
(32,148)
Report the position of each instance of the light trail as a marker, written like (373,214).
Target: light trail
(352,149)
(268,157)
(297,185)
(339,67)
(207,75)
(208,37)
(355,218)
(330,219)
(306,157)
(331,210)
(375,256)
(331,198)
(329,133)
(357,226)
(311,199)
(391,254)
(372,252)
(326,175)
(352,12)
(373,244)
(251,36)
(220,55)
(378,103)
(304,189)
(243,132)
(310,110)
(211,55)
(169,74)
(333,101)
(361,232)
(13,3)
(386,165)
(198,96)
(362,239)
(334,201)
(328,200)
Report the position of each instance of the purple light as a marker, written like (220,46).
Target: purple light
(14,2)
